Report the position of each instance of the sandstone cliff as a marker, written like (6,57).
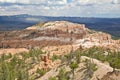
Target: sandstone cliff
(57,33)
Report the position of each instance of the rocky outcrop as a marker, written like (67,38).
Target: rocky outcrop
(79,72)
(115,75)
(99,39)
(62,26)
(49,34)
(54,34)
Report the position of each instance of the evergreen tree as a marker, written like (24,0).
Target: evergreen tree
(73,66)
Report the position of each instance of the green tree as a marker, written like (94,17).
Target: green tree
(115,63)
(89,69)
(62,74)
(40,71)
(73,66)
(52,78)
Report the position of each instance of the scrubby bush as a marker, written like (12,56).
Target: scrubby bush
(55,57)
(52,78)
(99,53)
(40,71)
(73,66)
(62,74)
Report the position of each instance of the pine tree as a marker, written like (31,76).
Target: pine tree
(73,66)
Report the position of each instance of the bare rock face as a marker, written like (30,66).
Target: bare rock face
(62,28)
(61,25)
(65,26)
(56,33)
(100,36)
(99,39)
(112,76)
(47,34)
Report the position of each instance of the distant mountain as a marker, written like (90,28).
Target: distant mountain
(16,22)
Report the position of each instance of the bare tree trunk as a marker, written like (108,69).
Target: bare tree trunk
(73,72)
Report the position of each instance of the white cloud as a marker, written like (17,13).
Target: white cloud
(86,1)
(15,1)
(116,1)
(35,1)
(82,8)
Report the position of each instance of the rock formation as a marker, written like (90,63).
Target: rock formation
(54,34)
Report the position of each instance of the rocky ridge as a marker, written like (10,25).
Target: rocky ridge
(57,33)
(80,35)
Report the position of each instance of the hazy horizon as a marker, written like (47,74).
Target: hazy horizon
(58,16)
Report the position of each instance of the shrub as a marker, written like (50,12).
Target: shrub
(40,71)
(62,74)
(52,78)
(55,57)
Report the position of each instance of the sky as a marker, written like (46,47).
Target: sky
(72,8)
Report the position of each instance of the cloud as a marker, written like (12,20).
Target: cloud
(15,1)
(85,2)
(35,1)
(80,8)
(116,2)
